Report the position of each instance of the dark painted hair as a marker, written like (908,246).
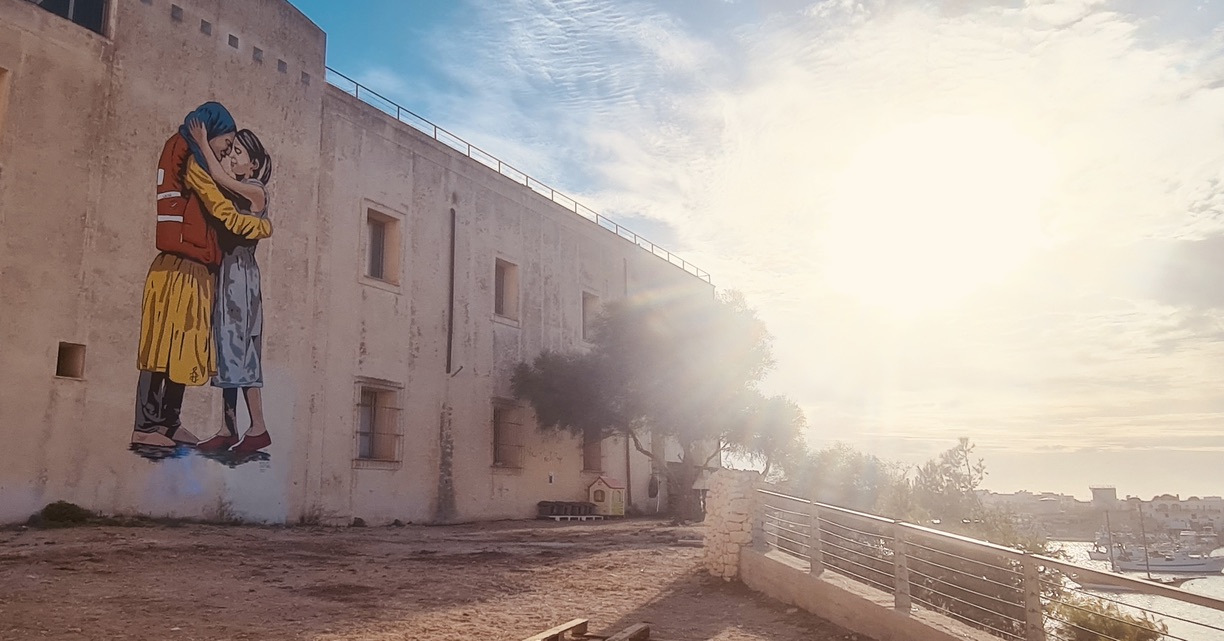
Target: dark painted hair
(217,121)
(255,148)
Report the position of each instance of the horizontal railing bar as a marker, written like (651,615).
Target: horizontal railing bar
(971,542)
(856,530)
(778,509)
(780,520)
(1001,584)
(1139,585)
(840,510)
(779,536)
(830,544)
(1145,610)
(1010,604)
(843,559)
(977,624)
(883,587)
(958,557)
(790,531)
(930,540)
(974,606)
(847,539)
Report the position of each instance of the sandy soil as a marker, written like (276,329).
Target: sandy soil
(474,582)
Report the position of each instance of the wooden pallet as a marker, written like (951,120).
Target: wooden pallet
(577,626)
(636,632)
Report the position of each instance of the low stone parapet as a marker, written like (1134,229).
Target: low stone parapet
(729,515)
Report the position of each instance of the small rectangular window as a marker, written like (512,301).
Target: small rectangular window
(176,13)
(378,432)
(382,246)
(87,13)
(206,27)
(233,41)
(592,452)
(282,66)
(257,55)
(70,362)
(590,311)
(505,289)
(378,248)
(507,436)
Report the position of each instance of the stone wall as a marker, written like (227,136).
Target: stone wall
(729,511)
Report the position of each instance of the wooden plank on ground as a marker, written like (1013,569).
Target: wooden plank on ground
(577,626)
(636,632)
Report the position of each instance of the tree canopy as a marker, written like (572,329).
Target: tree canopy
(684,369)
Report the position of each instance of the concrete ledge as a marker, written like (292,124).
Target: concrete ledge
(847,603)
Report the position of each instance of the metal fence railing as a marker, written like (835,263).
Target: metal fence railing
(402,114)
(1002,591)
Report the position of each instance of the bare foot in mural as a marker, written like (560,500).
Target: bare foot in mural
(154,439)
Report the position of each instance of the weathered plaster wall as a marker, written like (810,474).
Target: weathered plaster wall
(86,120)
(397,333)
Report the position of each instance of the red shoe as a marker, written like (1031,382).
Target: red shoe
(218,443)
(252,444)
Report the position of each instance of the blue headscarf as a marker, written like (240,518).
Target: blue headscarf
(217,121)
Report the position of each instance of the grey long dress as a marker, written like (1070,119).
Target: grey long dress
(238,311)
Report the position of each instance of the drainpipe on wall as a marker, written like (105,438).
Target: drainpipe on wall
(628,478)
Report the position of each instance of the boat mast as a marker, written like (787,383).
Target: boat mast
(1147,558)
(1113,559)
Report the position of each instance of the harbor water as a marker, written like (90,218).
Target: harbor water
(1172,610)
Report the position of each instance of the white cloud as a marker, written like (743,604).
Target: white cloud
(735,134)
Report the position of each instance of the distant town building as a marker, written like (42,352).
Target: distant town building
(1173,513)
(1029,503)
(1104,497)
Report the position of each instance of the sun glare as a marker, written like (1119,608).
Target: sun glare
(930,212)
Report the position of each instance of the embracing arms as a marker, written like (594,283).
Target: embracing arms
(246,226)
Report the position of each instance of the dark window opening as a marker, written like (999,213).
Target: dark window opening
(507,446)
(378,246)
(70,363)
(87,13)
(592,452)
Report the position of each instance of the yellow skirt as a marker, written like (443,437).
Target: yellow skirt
(176,321)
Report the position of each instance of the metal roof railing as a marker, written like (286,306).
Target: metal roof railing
(425,126)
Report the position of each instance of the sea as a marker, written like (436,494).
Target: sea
(1175,614)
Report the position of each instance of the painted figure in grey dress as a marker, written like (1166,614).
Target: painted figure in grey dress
(238,303)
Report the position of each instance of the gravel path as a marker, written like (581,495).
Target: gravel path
(493,581)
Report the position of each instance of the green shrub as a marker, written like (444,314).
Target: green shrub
(1088,619)
(61,514)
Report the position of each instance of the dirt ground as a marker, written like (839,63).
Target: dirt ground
(499,581)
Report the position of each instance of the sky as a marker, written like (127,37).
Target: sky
(1001,220)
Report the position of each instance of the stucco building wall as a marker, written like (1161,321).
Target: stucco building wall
(83,118)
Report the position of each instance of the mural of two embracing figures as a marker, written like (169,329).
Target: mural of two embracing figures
(201,315)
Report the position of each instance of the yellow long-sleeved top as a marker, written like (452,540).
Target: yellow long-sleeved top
(244,225)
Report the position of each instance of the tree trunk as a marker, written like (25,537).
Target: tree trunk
(688,501)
